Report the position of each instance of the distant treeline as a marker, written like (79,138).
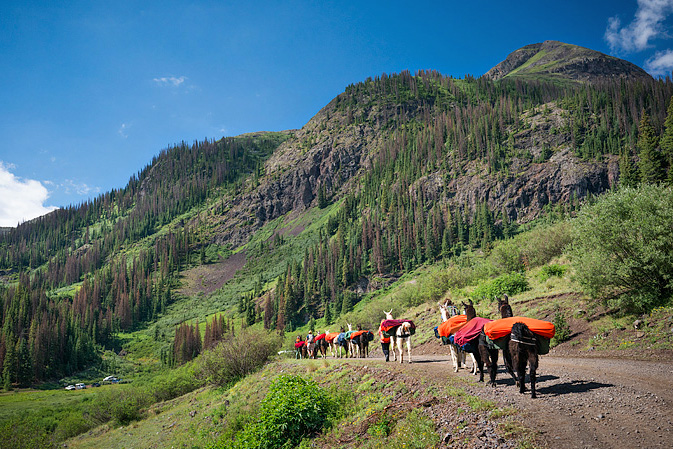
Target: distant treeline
(46,334)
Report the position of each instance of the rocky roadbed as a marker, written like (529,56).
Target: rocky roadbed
(582,402)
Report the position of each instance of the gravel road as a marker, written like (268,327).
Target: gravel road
(582,402)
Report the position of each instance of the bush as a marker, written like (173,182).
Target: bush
(552,270)
(237,356)
(71,425)
(293,409)
(510,284)
(562,329)
(623,248)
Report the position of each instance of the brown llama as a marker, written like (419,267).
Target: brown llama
(523,348)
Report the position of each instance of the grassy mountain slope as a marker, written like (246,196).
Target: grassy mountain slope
(560,62)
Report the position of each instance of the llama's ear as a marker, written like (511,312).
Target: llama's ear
(505,298)
(471,303)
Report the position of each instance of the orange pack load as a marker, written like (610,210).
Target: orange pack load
(502,327)
(450,326)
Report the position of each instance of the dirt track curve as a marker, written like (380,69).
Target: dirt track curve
(582,402)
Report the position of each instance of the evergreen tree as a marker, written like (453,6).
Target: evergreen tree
(666,142)
(651,163)
(628,175)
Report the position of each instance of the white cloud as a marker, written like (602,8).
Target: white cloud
(82,189)
(20,199)
(646,25)
(170,81)
(660,64)
(123,130)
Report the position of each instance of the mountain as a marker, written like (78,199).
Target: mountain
(395,172)
(558,61)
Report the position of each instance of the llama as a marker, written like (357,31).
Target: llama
(476,344)
(321,346)
(353,345)
(300,348)
(331,339)
(506,312)
(458,356)
(342,343)
(399,337)
(361,342)
(523,349)
(310,344)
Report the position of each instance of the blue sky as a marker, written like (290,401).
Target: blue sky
(90,91)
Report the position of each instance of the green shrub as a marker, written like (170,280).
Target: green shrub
(552,270)
(24,432)
(71,425)
(510,284)
(562,329)
(237,356)
(507,256)
(293,409)
(623,248)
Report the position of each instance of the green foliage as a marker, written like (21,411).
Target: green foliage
(623,248)
(25,432)
(562,329)
(414,431)
(293,409)
(510,284)
(552,270)
(237,356)
(651,163)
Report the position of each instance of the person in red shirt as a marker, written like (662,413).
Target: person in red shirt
(385,343)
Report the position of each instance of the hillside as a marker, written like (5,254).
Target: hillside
(396,172)
(403,191)
(557,61)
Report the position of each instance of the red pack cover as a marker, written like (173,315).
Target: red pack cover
(387,325)
(502,327)
(299,344)
(452,325)
(331,336)
(471,330)
(356,333)
(320,337)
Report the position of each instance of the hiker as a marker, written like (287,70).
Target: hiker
(385,343)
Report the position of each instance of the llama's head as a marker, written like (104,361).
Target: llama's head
(389,315)
(504,307)
(469,310)
(444,311)
(350,327)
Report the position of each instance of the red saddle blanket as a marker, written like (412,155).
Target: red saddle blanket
(299,344)
(319,337)
(388,326)
(452,325)
(502,327)
(331,336)
(471,330)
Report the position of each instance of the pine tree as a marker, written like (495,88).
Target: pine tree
(666,142)
(651,163)
(628,175)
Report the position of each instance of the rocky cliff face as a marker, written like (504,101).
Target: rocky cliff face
(332,151)
(557,60)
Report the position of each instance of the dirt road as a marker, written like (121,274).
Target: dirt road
(582,403)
